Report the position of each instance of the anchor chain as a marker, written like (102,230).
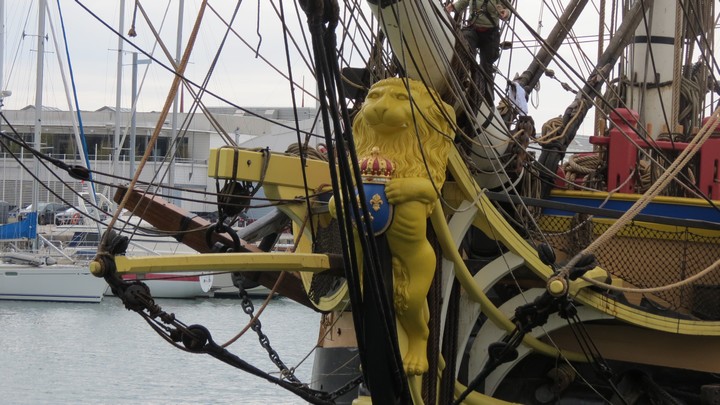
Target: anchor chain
(136,297)
(256,326)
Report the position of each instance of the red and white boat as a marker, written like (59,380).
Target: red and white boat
(174,285)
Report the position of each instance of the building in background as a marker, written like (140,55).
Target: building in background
(264,127)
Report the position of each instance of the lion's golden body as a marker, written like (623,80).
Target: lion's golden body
(414,130)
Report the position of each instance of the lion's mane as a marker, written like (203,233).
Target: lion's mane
(434,120)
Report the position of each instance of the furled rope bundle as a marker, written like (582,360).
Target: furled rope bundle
(645,174)
(524,131)
(612,98)
(503,107)
(691,98)
(312,153)
(550,130)
(581,165)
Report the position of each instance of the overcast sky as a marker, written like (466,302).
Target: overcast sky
(239,76)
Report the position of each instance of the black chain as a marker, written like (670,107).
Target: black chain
(249,309)
(350,385)
(197,339)
(285,372)
(136,297)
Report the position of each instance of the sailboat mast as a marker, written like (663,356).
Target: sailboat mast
(38,105)
(174,128)
(2,53)
(118,89)
(3,93)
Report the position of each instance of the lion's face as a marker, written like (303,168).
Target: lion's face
(387,109)
(410,131)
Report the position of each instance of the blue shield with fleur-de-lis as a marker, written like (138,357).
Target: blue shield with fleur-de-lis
(381,212)
(376,171)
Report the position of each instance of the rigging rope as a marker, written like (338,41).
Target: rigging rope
(303,157)
(166,108)
(693,147)
(373,298)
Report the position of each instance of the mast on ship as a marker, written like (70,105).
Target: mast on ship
(553,152)
(650,81)
(656,87)
(175,107)
(658,82)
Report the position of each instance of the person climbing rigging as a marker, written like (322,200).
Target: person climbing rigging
(482,32)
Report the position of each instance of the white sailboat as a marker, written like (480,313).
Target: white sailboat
(79,238)
(28,277)
(36,280)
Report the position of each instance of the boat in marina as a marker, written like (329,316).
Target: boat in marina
(457,251)
(57,283)
(60,273)
(173,285)
(27,275)
(79,243)
(224,287)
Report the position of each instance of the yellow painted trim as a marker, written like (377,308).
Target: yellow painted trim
(490,221)
(282,182)
(222,262)
(281,170)
(646,319)
(466,280)
(601,195)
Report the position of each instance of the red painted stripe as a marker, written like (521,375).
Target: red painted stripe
(161,276)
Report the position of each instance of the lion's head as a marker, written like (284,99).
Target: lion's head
(401,122)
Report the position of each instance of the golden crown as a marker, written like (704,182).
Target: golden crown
(376,165)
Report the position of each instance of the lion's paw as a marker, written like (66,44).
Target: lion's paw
(415,362)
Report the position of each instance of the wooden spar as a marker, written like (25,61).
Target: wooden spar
(531,76)
(552,153)
(169,219)
(175,221)
(224,262)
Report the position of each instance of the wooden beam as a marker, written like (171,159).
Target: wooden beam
(240,164)
(184,226)
(224,262)
(189,229)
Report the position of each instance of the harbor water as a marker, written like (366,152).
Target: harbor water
(63,353)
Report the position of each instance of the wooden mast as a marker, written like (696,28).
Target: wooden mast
(553,152)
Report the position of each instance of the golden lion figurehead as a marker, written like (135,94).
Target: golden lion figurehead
(401,122)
